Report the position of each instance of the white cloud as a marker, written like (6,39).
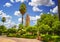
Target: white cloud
(7,4)
(8,22)
(18,1)
(22,0)
(41,2)
(8,17)
(17,13)
(3,14)
(12,1)
(20,20)
(36,3)
(34,18)
(50,3)
(36,9)
(51,10)
(54,10)
(41,14)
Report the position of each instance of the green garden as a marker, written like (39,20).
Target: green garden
(47,28)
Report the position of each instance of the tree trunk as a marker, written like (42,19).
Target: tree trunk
(59,9)
(22,19)
(38,36)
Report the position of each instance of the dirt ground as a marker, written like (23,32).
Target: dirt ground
(7,39)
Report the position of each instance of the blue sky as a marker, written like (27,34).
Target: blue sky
(10,9)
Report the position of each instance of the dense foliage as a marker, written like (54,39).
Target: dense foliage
(3,30)
(49,26)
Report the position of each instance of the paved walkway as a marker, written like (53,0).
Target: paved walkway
(6,39)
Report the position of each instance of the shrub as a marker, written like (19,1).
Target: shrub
(2,30)
(27,35)
(11,32)
(50,38)
(11,35)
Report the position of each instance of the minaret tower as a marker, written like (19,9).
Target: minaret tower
(27,20)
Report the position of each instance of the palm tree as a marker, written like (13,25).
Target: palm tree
(3,20)
(59,8)
(22,10)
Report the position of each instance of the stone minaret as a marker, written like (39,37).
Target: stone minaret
(27,20)
(59,8)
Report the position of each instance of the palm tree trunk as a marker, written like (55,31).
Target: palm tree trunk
(22,19)
(59,8)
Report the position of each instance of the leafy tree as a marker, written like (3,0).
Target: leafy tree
(56,27)
(20,27)
(32,30)
(44,29)
(22,10)
(21,30)
(49,20)
(3,29)
(3,19)
(11,32)
(56,18)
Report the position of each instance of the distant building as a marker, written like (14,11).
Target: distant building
(27,20)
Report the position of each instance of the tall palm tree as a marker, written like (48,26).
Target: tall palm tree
(59,8)
(22,10)
(3,20)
